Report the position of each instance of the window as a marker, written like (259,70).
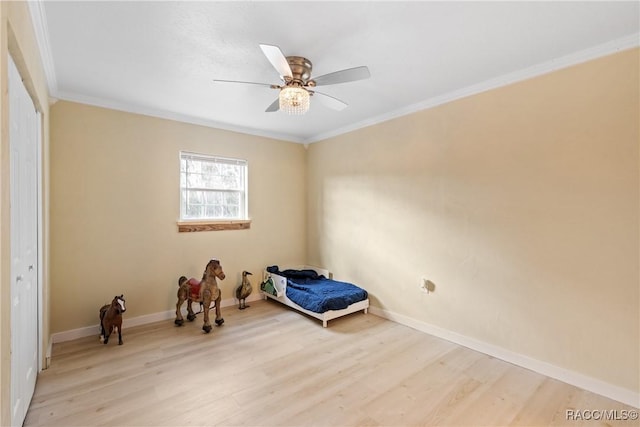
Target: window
(212,188)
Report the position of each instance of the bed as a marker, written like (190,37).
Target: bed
(309,290)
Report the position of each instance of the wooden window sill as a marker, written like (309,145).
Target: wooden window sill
(191,226)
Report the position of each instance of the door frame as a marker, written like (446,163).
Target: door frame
(40,240)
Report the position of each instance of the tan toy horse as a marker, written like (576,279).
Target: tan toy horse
(203,291)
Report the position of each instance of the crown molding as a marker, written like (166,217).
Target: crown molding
(575,58)
(170,115)
(38,17)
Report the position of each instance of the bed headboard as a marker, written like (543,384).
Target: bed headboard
(280,282)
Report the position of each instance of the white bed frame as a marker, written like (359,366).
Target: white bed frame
(280,283)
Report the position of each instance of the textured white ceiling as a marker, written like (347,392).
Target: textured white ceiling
(159,58)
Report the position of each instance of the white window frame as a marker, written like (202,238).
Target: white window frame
(243,190)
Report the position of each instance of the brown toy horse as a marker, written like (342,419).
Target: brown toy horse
(203,291)
(111,318)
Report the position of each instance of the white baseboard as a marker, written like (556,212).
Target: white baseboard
(620,394)
(92,330)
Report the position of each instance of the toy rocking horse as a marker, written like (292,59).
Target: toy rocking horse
(203,291)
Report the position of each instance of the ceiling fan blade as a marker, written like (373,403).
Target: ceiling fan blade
(275,106)
(343,76)
(330,101)
(277,59)
(246,83)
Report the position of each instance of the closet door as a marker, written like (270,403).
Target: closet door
(23,143)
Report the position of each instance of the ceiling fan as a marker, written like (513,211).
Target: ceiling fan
(297,84)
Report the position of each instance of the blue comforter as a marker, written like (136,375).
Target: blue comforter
(317,293)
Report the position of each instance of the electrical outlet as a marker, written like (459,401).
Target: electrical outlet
(427,286)
(424,285)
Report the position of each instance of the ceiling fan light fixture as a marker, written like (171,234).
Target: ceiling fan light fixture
(294,100)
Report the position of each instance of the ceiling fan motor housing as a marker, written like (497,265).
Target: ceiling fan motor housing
(300,70)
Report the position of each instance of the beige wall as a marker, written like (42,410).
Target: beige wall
(115,203)
(520,204)
(18,39)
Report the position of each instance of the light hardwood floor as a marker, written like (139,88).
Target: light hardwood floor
(271,366)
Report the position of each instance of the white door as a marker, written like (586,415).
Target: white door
(23,142)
